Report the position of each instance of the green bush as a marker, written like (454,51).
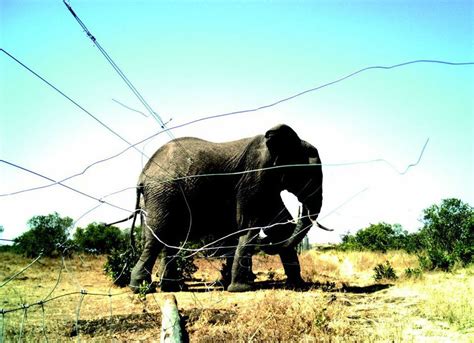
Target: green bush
(412,242)
(119,265)
(448,235)
(384,271)
(100,239)
(7,248)
(121,260)
(378,237)
(47,235)
(383,237)
(185,265)
(415,273)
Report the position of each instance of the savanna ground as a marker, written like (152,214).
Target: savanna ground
(341,303)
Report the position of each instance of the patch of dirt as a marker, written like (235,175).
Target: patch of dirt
(116,324)
(133,323)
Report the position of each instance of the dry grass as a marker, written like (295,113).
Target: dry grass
(448,300)
(341,304)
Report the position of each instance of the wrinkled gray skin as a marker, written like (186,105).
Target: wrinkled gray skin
(181,207)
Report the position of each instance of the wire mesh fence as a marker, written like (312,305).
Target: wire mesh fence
(50,299)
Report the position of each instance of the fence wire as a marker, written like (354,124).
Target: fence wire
(34,315)
(82,293)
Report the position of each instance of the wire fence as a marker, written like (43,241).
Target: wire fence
(28,314)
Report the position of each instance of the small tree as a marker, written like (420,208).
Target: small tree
(121,259)
(99,238)
(413,242)
(384,271)
(4,248)
(119,265)
(448,234)
(47,235)
(376,237)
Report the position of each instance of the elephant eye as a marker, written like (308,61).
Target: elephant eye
(314,160)
(312,152)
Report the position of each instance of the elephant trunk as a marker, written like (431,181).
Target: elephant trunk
(312,204)
(311,207)
(303,225)
(272,244)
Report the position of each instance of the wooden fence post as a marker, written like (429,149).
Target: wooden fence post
(170,321)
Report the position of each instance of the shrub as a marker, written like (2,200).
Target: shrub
(415,273)
(185,265)
(413,242)
(121,260)
(384,271)
(383,237)
(376,237)
(7,248)
(100,239)
(119,265)
(47,235)
(448,235)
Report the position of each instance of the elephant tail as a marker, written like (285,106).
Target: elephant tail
(121,220)
(135,213)
(133,216)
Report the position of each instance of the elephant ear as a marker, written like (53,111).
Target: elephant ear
(281,141)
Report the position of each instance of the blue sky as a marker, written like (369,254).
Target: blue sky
(191,59)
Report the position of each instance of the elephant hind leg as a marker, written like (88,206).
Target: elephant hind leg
(142,271)
(242,276)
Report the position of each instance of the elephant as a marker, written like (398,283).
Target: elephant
(192,188)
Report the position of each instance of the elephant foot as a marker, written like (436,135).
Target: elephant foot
(251,277)
(295,283)
(223,282)
(240,287)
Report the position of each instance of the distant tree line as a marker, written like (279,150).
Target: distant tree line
(382,237)
(445,240)
(49,235)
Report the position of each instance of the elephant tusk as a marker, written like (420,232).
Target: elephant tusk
(323,227)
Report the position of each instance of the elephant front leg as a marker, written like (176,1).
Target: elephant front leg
(242,265)
(291,264)
(226,273)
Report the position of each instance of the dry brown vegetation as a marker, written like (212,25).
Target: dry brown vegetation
(341,303)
